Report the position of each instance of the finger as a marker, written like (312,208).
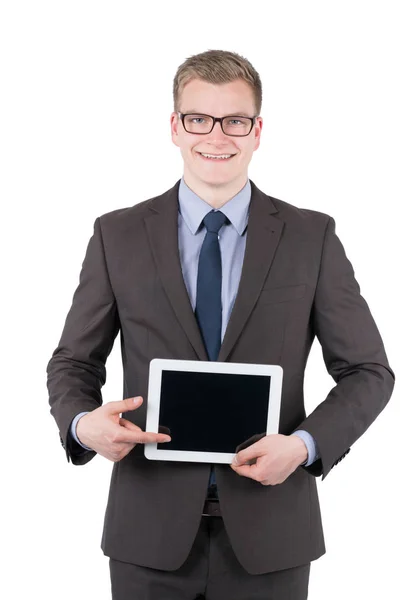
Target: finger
(150,438)
(163,429)
(128,424)
(142,437)
(120,406)
(245,470)
(254,451)
(250,441)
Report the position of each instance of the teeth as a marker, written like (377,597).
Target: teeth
(216,155)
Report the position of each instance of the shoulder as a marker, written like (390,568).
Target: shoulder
(300,216)
(129,218)
(311,226)
(293,216)
(121,216)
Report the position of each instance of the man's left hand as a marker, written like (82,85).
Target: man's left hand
(274,458)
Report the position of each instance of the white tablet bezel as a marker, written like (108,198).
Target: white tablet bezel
(156,367)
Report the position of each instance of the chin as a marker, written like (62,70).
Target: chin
(216,180)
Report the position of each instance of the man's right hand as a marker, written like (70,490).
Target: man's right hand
(112,436)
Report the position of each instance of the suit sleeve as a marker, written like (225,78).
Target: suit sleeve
(354,356)
(76,371)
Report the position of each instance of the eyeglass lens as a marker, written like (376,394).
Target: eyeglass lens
(230,125)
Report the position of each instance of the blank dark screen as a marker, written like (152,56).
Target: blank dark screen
(212,412)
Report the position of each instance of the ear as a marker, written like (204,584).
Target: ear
(258,127)
(174,122)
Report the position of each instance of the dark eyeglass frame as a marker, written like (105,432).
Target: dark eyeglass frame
(215,119)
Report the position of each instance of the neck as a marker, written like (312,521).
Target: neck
(215,194)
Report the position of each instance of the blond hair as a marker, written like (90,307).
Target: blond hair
(217,66)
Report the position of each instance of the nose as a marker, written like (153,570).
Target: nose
(216,136)
(217,133)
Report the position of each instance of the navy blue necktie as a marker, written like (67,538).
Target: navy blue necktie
(208,296)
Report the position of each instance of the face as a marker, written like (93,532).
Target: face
(200,97)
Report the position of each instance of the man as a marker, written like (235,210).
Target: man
(280,277)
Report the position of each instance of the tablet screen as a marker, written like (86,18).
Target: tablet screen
(212,412)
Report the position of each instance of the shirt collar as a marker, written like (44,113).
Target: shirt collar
(193,208)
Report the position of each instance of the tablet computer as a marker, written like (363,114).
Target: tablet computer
(209,408)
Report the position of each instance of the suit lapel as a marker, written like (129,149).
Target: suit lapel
(162,229)
(263,235)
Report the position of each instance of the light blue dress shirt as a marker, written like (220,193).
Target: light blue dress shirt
(232,238)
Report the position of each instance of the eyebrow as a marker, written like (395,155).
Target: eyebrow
(243,113)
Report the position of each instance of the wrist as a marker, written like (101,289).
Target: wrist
(301,450)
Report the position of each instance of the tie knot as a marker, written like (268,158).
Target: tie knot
(214,220)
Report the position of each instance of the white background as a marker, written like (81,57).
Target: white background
(86,97)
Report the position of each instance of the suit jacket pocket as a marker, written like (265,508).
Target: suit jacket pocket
(282,294)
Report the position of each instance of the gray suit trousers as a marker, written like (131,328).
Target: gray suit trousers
(210,572)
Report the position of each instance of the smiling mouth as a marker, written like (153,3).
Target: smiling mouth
(214,158)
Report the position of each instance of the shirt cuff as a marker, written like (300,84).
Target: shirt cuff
(73,429)
(311,444)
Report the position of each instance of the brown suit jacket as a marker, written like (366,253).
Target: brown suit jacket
(296,283)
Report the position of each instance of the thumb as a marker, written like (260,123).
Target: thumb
(246,455)
(120,406)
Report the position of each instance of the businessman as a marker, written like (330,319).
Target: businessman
(215,269)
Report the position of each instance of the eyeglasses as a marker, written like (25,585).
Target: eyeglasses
(200,124)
